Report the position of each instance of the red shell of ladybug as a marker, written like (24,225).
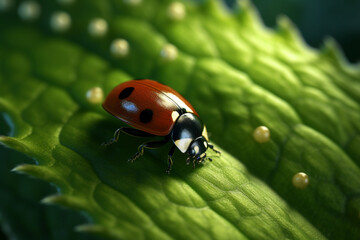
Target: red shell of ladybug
(147,105)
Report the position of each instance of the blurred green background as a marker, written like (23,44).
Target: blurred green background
(317,20)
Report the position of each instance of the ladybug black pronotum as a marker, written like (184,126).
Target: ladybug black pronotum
(153,109)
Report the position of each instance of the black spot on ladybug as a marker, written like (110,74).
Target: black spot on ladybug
(146,116)
(126,92)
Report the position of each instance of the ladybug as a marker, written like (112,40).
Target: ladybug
(154,109)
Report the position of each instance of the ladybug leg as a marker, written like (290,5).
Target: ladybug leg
(138,154)
(127,130)
(114,139)
(194,162)
(188,160)
(170,161)
(212,148)
(201,159)
(151,144)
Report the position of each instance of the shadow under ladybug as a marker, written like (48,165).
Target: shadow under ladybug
(154,109)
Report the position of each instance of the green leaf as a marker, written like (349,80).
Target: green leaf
(21,214)
(237,74)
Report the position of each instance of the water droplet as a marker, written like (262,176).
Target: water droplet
(261,134)
(98,27)
(176,11)
(119,48)
(6,5)
(29,10)
(60,21)
(169,52)
(95,95)
(300,180)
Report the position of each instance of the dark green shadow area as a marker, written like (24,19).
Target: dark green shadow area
(22,215)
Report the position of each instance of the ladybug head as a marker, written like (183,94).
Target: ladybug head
(198,148)
(190,136)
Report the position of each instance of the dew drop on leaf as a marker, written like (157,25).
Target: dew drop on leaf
(169,52)
(176,11)
(119,48)
(6,5)
(261,134)
(98,27)
(300,180)
(29,10)
(95,95)
(60,21)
